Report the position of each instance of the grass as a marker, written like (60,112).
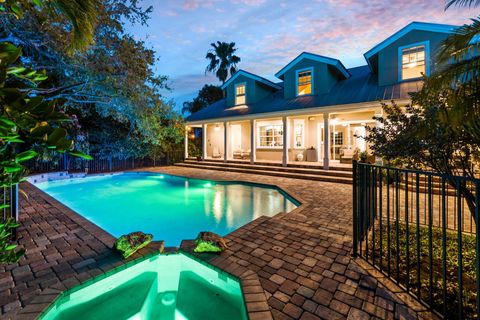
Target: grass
(385,254)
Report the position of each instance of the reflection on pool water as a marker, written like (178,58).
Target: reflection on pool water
(169,207)
(173,287)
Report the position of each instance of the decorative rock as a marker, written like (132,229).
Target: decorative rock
(130,243)
(209,242)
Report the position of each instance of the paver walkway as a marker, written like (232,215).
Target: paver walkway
(302,258)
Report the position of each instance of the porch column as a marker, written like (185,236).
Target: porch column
(285,141)
(326,141)
(225,144)
(204,141)
(186,142)
(253,147)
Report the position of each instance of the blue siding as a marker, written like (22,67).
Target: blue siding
(388,63)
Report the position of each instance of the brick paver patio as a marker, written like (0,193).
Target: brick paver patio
(302,258)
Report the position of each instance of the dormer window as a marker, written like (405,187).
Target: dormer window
(304,81)
(240,94)
(413,61)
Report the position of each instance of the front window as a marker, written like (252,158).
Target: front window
(413,62)
(240,94)
(299,129)
(304,82)
(270,136)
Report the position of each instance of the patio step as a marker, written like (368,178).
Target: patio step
(277,164)
(265,167)
(295,173)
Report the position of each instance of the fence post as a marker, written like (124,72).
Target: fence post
(65,162)
(355,213)
(14,206)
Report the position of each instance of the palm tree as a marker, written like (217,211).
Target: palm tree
(82,14)
(222,60)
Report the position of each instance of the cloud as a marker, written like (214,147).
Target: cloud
(269,33)
(254,3)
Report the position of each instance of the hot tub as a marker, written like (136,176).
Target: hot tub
(171,286)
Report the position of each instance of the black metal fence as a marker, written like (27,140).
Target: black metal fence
(419,229)
(65,162)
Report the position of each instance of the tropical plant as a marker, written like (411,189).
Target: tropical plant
(112,87)
(80,14)
(206,96)
(222,60)
(27,121)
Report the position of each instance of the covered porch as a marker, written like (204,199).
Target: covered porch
(298,140)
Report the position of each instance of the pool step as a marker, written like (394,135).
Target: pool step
(276,171)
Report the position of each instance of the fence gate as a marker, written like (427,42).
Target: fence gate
(420,230)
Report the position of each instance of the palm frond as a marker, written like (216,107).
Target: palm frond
(82,14)
(461,3)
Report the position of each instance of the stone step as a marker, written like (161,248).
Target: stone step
(272,168)
(277,164)
(304,176)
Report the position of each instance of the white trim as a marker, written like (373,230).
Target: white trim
(305,111)
(315,57)
(244,84)
(312,81)
(251,76)
(260,124)
(426,44)
(301,122)
(421,26)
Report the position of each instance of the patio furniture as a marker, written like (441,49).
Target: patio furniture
(347,155)
(312,155)
(216,153)
(241,154)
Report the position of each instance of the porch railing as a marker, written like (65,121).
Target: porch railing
(420,230)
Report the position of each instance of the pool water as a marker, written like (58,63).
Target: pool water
(169,207)
(173,287)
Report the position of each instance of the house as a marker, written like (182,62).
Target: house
(319,108)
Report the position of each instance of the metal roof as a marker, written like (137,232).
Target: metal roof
(361,87)
(316,57)
(251,76)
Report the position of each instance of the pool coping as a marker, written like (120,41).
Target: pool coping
(254,296)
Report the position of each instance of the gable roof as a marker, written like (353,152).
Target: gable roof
(421,26)
(307,55)
(361,87)
(251,76)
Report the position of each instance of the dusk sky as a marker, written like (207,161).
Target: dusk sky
(269,33)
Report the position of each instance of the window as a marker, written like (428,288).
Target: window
(413,62)
(270,136)
(337,138)
(299,133)
(304,82)
(240,94)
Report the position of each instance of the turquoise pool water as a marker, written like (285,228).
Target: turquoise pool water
(173,287)
(169,207)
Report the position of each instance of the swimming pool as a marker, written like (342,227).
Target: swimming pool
(169,287)
(169,207)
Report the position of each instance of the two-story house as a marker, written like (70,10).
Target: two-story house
(319,109)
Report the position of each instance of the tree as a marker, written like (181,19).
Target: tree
(27,120)
(110,85)
(208,95)
(81,15)
(222,60)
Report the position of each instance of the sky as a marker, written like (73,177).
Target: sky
(270,33)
